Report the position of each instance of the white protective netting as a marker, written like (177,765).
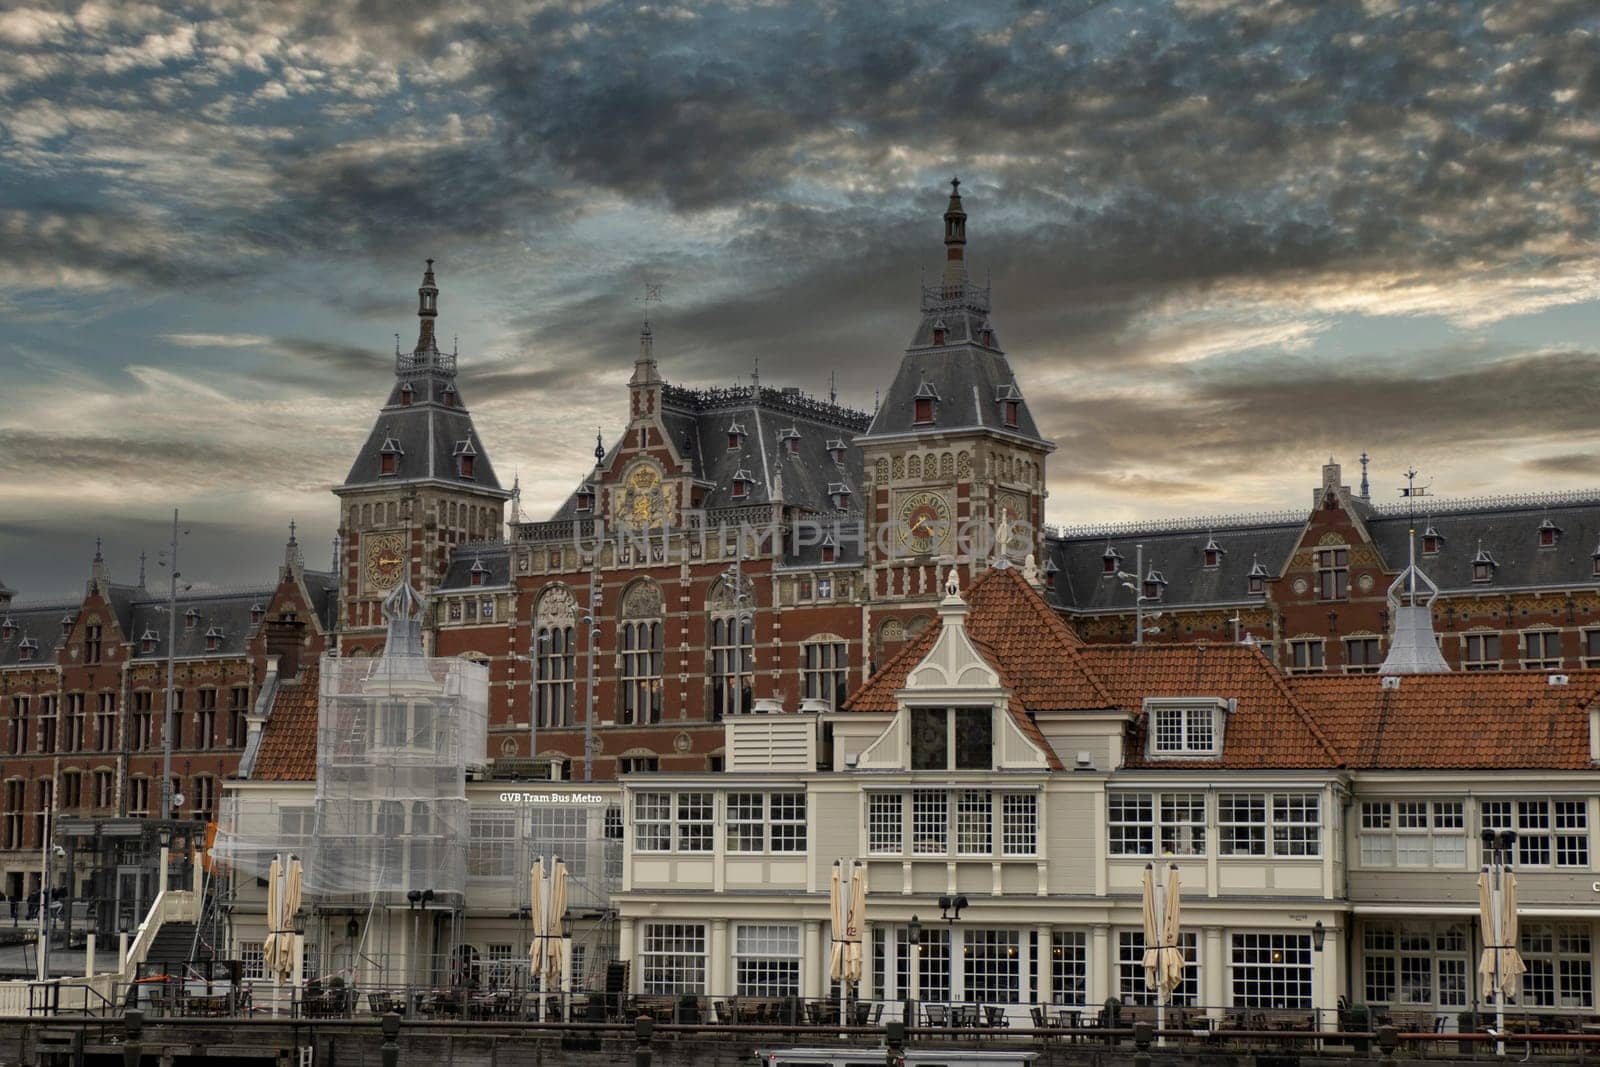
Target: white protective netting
(395,737)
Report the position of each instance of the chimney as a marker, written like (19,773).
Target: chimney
(284,635)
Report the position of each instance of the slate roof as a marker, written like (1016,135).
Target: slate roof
(697,421)
(427,433)
(1488,720)
(969,379)
(40,624)
(288,751)
(1510,534)
(495,558)
(1081,583)
(1268,729)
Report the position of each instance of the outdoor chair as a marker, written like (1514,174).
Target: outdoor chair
(995,1017)
(938,1015)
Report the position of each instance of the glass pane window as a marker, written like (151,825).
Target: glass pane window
(673,961)
(1133,980)
(695,822)
(992,966)
(652,822)
(746,822)
(1183,824)
(1184,731)
(1131,818)
(974,823)
(1480,652)
(1069,967)
(766,960)
(1019,828)
(930,750)
(1271,970)
(933,970)
(788,816)
(1242,824)
(1296,824)
(885,823)
(930,822)
(825,672)
(974,730)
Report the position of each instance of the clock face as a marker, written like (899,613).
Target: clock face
(1013,507)
(386,560)
(924,522)
(643,503)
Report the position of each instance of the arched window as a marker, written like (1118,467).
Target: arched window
(733,642)
(555,657)
(640,644)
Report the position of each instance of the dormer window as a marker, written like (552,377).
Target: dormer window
(1211,555)
(1257,578)
(66,623)
(924,401)
(27,650)
(478,572)
(1431,540)
(191,619)
(466,458)
(257,613)
(586,498)
(940,332)
(213,640)
(1483,565)
(986,335)
(406,395)
(148,642)
(1011,410)
(1110,561)
(839,492)
(389,457)
(1010,402)
(836,452)
(449,396)
(741,484)
(830,551)
(1154,583)
(8,629)
(735,436)
(1549,534)
(791,441)
(1180,727)
(1595,557)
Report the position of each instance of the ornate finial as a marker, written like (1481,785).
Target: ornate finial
(141,568)
(952,582)
(955,186)
(291,531)
(599,447)
(338,545)
(755,375)
(97,549)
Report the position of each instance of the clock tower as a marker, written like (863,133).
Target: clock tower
(421,485)
(953,460)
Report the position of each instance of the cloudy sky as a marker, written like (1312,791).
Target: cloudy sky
(1226,239)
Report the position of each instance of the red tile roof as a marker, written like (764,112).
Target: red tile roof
(1513,720)
(1269,727)
(289,737)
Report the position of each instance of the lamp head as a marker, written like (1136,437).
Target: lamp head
(1508,838)
(914,930)
(352,928)
(1488,838)
(414,897)
(1319,935)
(427,896)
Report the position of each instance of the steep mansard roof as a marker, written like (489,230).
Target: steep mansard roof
(428,435)
(1507,527)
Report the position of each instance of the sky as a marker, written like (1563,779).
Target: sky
(1227,240)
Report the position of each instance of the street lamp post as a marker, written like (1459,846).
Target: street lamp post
(172,662)
(1497,856)
(950,910)
(1134,583)
(913,965)
(591,621)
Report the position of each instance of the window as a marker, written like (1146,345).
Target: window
(143,717)
(741,485)
(92,643)
(44,794)
(933,971)
(766,960)
(27,650)
(175,720)
(1296,824)
(885,823)
(674,959)
(1183,731)
(992,966)
(1591,648)
(638,764)
(934,729)
(71,789)
(238,708)
(585,500)
(1549,833)
(1480,652)
(556,658)
(974,823)
(641,654)
(205,718)
(1271,970)
(252,961)
(104,789)
(48,704)
(1413,833)
(1541,650)
(930,825)
(139,797)
(1362,655)
(1069,967)
(1418,963)
(746,823)
(204,799)
(825,672)
(1110,561)
(16,804)
(695,822)
(1333,574)
(1134,828)
(105,723)
(1012,410)
(824,588)
(1019,824)
(1431,540)
(72,736)
(1305,655)
(788,814)
(17,738)
(1133,980)
(1549,534)
(652,822)
(1560,964)
(732,652)
(1241,824)
(924,409)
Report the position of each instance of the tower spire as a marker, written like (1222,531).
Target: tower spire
(955,239)
(427,311)
(1366,489)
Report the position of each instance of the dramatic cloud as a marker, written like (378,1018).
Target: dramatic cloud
(1225,238)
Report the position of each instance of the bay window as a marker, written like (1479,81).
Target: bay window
(1550,833)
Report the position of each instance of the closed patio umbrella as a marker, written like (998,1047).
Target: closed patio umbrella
(855,923)
(536,920)
(552,927)
(1500,963)
(1172,960)
(272,947)
(836,917)
(1152,931)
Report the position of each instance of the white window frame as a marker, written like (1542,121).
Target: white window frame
(1019,824)
(1544,661)
(886,817)
(1184,728)
(1270,823)
(1562,955)
(766,959)
(672,959)
(746,822)
(1261,971)
(1416,833)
